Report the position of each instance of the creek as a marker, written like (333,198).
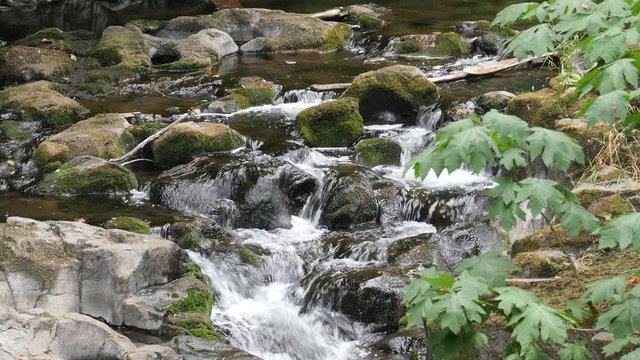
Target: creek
(316,294)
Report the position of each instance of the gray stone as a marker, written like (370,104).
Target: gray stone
(207,43)
(193,348)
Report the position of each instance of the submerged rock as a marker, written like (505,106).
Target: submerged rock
(105,136)
(378,151)
(87,175)
(187,140)
(253,91)
(22,63)
(432,45)
(41,102)
(128,223)
(332,124)
(399,89)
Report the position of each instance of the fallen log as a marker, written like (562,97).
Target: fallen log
(470,71)
(530,282)
(226,4)
(329,14)
(128,156)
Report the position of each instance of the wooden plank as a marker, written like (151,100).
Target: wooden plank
(226,4)
(456,75)
(330,87)
(329,14)
(500,65)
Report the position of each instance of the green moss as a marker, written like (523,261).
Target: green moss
(11,129)
(47,315)
(365,21)
(610,207)
(124,47)
(254,96)
(335,38)
(175,295)
(332,124)
(129,224)
(249,257)
(545,239)
(544,107)
(147,26)
(198,326)
(542,263)
(450,44)
(193,270)
(410,46)
(378,151)
(143,131)
(189,64)
(198,300)
(98,180)
(35,39)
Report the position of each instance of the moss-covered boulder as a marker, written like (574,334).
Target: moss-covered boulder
(198,51)
(252,91)
(105,136)
(331,124)
(611,207)
(148,25)
(494,100)
(378,151)
(23,63)
(128,223)
(125,47)
(76,42)
(591,138)
(87,175)
(542,108)
(542,263)
(547,239)
(263,31)
(183,142)
(431,45)
(366,16)
(398,89)
(590,193)
(41,102)
(199,234)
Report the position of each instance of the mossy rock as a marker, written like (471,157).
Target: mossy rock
(494,100)
(190,64)
(143,131)
(198,300)
(23,63)
(38,101)
(192,269)
(367,17)
(252,91)
(183,142)
(433,45)
(548,239)
(591,193)
(87,175)
(194,324)
(399,89)
(147,25)
(128,223)
(542,263)
(611,207)
(11,130)
(544,107)
(105,136)
(331,124)
(249,257)
(378,151)
(336,37)
(36,39)
(591,138)
(124,47)
(78,42)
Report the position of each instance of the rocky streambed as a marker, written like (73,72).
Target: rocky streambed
(264,220)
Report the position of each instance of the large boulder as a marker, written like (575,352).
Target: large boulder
(125,47)
(262,30)
(65,267)
(40,101)
(331,124)
(87,175)
(542,108)
(431,45)
(378,151)
(366,16)
(104,136)
(398,89)
(187,140)
(494,100)
(22,63)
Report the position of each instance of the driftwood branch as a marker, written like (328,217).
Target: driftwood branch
(226,4)
(329,14)
(131,154)
(471,71)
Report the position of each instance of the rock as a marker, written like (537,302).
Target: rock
(87,175)
(611,207)
(351,200)
(65,267)
(262,30)
(489,39)
(187,140)
(545,239)
(199,234)
(432,45)
(193,348)
(542,263)
(153,352)
(494,100)
(253,91)
(105,136)
(148,25)
(590,193)
(331,124)
(591,138)
(128,224)
(22,63)
(544,107)
(378,151)
(458,111)
(124,47)
(398,89)
(40,101)
(200,50)
(366,16)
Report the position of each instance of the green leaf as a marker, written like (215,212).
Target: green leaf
(513,13)
(577,310)
(575,351)
(608,108)
(507,214)
(513,157)
(455,309)
(609,45)
(540,194)
(538,322)
(451,129)
(634,355)
(556,148)
(511,298)
(619,8)
(617,345)
(614,76)
(605,290)
(580,23)
(506,189)
(621,232)
(446,345)
(508,129)
(492,266)
(535,41)
(622,319)
(563,7)
(575,218)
